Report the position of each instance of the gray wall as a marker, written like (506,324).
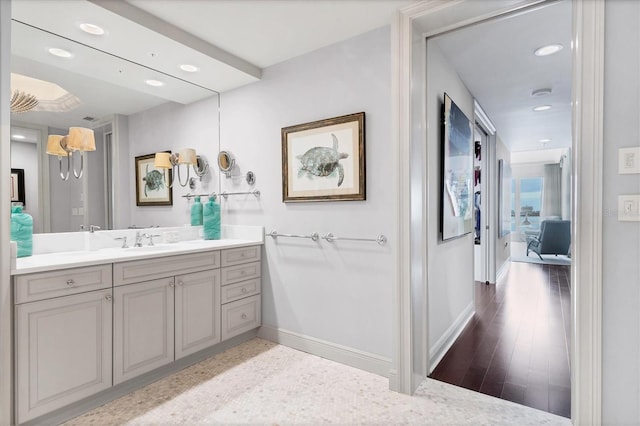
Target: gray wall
(338,292)
(450,263)
(621,240)
(503,245)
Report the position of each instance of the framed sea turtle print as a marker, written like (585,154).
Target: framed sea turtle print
(324,160)
(152,186)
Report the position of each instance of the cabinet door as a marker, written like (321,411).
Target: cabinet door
(143,328)
(197,311)
(63,351)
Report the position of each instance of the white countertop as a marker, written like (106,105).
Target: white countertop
(72,259)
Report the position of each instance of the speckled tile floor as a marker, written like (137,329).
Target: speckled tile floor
(260,382)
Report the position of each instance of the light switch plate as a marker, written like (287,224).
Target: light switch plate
(628,160)
(629,208)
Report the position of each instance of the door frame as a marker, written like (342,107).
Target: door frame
(408,129)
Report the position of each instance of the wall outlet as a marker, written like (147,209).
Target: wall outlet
(629,160)
(629,208)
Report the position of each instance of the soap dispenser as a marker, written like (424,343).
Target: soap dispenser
(22,230)
(211,216)
(196,212)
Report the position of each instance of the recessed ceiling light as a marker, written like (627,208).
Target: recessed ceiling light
(91,29)
(56,51)
(541,108)
(541,92)
(18,136)
(189,68)
(154,83)
(545,140)
(547,50)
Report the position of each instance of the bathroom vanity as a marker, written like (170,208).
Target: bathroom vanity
(90,321)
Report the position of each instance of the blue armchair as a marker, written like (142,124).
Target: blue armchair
(554,238)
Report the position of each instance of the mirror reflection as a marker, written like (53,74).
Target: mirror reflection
(93,90)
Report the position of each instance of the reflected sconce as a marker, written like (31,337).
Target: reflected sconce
(187,157)
(79,139)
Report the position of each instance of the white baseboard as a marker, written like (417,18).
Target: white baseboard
(355,358)
(445,342)
(503,269)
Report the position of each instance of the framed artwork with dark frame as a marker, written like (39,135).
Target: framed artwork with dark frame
(151,183)
(17,186)
(457,172)
(324,160)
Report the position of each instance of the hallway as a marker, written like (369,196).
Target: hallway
(516,347)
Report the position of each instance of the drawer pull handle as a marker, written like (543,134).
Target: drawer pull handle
(244,289)
(108,297)
(244,316)
(70,282)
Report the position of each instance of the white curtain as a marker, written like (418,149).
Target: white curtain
(551,191)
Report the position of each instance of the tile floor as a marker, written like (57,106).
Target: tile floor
(260,382)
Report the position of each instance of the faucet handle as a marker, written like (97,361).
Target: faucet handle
(150,237)
(124,241)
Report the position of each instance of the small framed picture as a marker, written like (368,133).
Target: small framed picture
(324,160)
(152,184)
(17,186)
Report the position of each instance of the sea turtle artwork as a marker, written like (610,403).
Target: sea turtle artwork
(153,181)
(322,161)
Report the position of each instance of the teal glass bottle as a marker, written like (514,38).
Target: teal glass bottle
(22,230)
(196,212)
(211,217)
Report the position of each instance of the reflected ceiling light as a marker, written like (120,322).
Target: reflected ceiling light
(541,108)
(91,29)
(61,53)
(545,140)
(16,136)
(189,68)
(154,83)
(547,50)
(541,92)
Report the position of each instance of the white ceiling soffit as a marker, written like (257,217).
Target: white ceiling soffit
(496,62)
(267,32)
(126,38)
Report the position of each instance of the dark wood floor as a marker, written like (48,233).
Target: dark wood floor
(517,345)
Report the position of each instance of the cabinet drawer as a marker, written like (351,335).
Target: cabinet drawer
(240,290)
(162,267)
(234,274)
(46,285)
(240,255)
(240,316)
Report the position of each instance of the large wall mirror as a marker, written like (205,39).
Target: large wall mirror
(91,89)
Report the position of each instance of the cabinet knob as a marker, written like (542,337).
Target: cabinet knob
(243,272)
(180,283)
(172,285)
(70,282)
(244,289)
(108,297)
(244,316)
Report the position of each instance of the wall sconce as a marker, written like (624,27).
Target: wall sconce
(186,156)
(79,139)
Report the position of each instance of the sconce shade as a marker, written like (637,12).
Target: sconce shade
(54,147)
(187,156)
(81,139)
(162,160)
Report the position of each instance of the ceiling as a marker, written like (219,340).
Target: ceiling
(232,41)
(496,62)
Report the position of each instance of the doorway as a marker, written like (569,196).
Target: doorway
(412,339)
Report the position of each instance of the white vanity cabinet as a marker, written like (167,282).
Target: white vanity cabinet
(240,290)
(164,319)
(63,344)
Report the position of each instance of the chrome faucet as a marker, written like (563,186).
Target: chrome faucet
(139,237)
(150,237)
(93,228)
